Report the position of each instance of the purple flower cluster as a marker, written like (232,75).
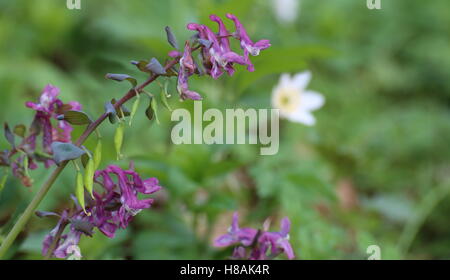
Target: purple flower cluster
(256,244)
(216,54)
(47,109)
(112,208)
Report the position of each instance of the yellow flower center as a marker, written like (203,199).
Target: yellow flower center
(287,100)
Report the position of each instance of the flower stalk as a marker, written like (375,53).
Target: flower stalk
(22,221)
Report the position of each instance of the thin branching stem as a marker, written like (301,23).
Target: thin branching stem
(22,221)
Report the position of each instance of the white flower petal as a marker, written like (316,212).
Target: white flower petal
(301,80)
(312,100)
(285,80)
(286,10)
(303,117)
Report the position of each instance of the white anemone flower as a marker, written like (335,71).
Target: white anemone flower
(294,101)
(286,11)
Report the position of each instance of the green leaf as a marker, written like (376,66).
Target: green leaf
(65,151)
(98,154)
(41,156)
(111,111)
(154,105)
(9,135)
(134,109)
(89,172)
(164,95)
(76,117)
(141,65)
(122,77)
(79,190)
(123,111)
(150,113)
(20,130)
(155,67)
(171,37)
(118,139)
(84,160)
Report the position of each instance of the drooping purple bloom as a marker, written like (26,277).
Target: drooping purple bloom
(218,56)
(236,235)
(257,244)
(278,241)
(247,44)
(116,206)
(47,100)
(187,69)
(223,38)
(206,56)
(47,110)
(112,208)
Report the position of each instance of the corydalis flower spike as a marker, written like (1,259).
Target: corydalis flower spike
(110,209)
(257,242)
(49,107)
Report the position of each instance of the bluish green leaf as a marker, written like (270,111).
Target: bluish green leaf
(156,67)
(65,151)
(122,77)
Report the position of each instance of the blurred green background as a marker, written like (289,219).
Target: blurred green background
(374,170)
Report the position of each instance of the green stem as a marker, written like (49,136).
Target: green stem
(30,210)
(21,222)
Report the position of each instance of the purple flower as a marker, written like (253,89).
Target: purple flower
(119,203)
(47,101)
(239,253)
(279,241)
(187,69)
(206,57)
(236,235)
(221,57)
(255,244)
(68,242)
(112,208)
(218,56)
(246,43)
(174,54)
(223,36)
(48,240)
(48,108)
